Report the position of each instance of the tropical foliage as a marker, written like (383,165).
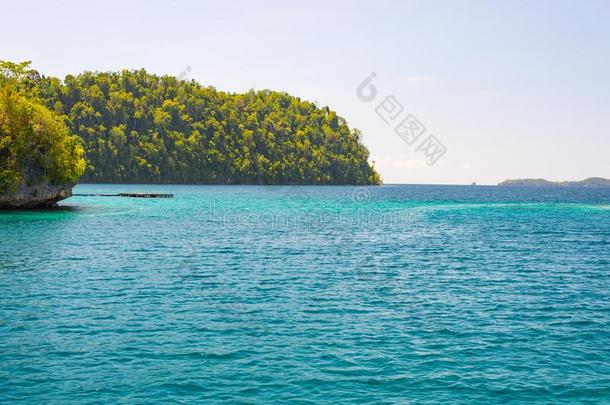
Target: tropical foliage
(35,143)
(139,127)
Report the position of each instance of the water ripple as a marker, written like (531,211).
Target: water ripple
(498,296)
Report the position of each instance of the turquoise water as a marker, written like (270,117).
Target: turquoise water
(260,294)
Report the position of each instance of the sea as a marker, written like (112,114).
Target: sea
(392,294)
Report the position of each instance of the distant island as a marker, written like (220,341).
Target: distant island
(590,182)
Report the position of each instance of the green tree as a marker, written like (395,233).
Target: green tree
(138,127)
(35,144)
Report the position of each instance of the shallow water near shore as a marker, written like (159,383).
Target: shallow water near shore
(328,294)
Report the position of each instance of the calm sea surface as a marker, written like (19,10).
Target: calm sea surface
(260,294)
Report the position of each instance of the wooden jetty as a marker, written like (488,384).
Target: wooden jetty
(131,195)
(146,195)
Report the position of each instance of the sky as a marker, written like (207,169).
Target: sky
(507,89)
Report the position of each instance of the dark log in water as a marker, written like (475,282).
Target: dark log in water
(132,195)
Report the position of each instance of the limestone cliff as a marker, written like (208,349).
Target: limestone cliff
(35,191)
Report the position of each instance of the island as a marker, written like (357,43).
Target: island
(40,160)
(590,182)
(136,127)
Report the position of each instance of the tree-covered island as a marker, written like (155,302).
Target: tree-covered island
(40,160)
(139,127)
(136,127)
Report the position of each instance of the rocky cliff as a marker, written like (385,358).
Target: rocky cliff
(42,195)
(35,191)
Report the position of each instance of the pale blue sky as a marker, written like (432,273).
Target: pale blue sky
(512,88)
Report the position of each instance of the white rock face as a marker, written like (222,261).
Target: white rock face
(35,196)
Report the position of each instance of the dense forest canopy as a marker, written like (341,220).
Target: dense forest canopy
(35,144)
(139,127)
